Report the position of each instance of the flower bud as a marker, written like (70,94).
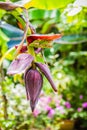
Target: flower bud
(33,84)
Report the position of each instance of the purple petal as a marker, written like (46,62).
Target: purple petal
(84,105)
(79,109)
(51,113)
(68,105)
(33,84)
(81,96)
(45,70)
(20,64)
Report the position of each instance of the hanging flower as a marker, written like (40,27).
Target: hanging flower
(33,82)
(24,63)
(32,77)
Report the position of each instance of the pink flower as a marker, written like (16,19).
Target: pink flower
(61,109)
(51,113)
(68,105)
(36,112)
(49,99)
(48,108)
(81,96)
(57,103)
(84,105)
(79,109)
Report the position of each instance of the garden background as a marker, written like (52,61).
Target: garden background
(67,60)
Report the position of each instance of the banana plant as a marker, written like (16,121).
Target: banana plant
(25,60)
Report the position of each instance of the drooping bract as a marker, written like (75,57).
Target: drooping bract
(33,83)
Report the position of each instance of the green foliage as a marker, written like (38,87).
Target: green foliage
(45,4)
(3,43)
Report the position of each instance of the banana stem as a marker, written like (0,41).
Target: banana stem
(25,32)
(32,52)
(4,56)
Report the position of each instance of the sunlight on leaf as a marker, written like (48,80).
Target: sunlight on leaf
(80,3)
(2,12)
(74,11)
(45,4)
(7,55)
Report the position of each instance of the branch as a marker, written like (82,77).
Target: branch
(5,101)
(25,31)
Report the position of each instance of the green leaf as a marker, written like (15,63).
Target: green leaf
(3,43)
(73,39)
(2,12)
(39,58)
(45,4)
(3,37)
(43,14)
(10,55)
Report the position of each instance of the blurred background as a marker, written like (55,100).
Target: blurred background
(67,60)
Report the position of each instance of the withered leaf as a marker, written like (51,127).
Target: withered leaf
(8,6)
